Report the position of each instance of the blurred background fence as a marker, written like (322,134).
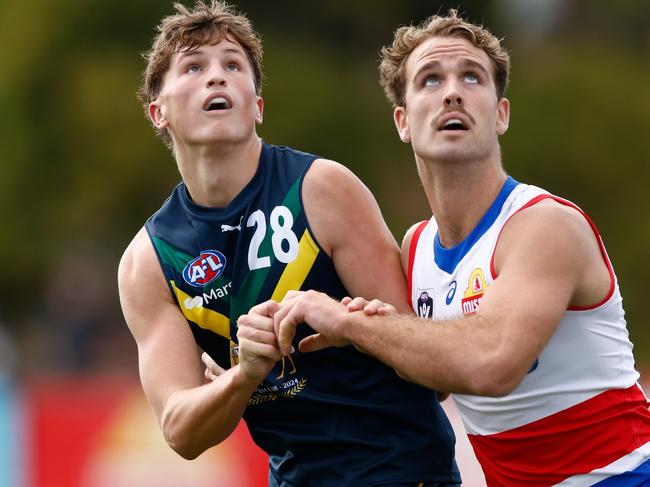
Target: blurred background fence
(81,170)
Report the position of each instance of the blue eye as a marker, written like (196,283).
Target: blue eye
(193,68)
(471,78)
(431,81)
(232,67)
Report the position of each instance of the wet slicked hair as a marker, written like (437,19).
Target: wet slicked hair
(188,29)
(392,75)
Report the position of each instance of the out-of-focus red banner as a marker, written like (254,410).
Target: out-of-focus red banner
(100,432)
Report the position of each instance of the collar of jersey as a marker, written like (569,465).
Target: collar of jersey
(234,209)
(448,258)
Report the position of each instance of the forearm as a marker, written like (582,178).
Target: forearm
(196,419)
(461,356)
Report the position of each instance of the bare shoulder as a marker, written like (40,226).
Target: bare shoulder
(139,261)
(326,179)
(142,286)
(346,221)
(338,205)
(551,220)
(408,236)
(548,232)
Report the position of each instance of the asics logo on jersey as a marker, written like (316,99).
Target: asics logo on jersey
(451,293)
(534,366)
(205,268)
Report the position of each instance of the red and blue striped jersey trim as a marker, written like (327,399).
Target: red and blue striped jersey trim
(575,441)
(638,477)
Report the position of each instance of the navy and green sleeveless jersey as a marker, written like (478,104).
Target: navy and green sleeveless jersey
(334,417)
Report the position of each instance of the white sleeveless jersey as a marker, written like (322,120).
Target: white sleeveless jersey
(579,416)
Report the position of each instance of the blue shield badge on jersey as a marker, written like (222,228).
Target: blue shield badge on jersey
(205,268)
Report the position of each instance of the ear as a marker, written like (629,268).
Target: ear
(259,118)
(402,124)
(157,114)
(503,116)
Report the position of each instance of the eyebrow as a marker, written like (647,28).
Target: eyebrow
(199,52)
(425,67)
(186,54)
(464,64)
(470,63)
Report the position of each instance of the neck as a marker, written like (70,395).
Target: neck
(214,175)
(460,194)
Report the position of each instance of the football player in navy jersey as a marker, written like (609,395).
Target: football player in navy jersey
(249,222)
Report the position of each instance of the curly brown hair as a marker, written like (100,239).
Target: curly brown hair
(188,29)
(407,38)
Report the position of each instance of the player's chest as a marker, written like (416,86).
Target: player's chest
(250,241)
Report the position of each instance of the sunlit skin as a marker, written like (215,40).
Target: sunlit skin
(218,153)
(488,353)
(204,139)
(448,78)
(196,75)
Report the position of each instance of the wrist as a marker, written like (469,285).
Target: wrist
(243,381)
(349,326)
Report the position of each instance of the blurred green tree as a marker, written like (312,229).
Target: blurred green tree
(81,164)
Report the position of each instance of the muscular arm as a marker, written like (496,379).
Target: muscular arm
(193,416)
(348,224)
(547,259)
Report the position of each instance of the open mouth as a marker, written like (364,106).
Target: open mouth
(453,124)
(217,103)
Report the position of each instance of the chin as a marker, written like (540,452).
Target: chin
(457,153)
(447,156)
(220,137)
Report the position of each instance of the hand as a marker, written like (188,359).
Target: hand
(212,369)
(369,308)
(322,313)
(258,347)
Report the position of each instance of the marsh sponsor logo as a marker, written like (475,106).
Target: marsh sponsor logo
(474,292)
(218,293)
(199,301)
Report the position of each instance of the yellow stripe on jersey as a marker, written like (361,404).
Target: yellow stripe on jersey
(296,272)
(192,308)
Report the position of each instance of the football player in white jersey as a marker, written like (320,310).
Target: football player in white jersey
(524,320)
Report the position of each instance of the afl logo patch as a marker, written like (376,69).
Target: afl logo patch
(205,268)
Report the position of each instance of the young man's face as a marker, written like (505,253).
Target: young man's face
(452,112)
(208,96)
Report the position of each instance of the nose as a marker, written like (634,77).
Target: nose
(453,97)
(216,78)
(451,101)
